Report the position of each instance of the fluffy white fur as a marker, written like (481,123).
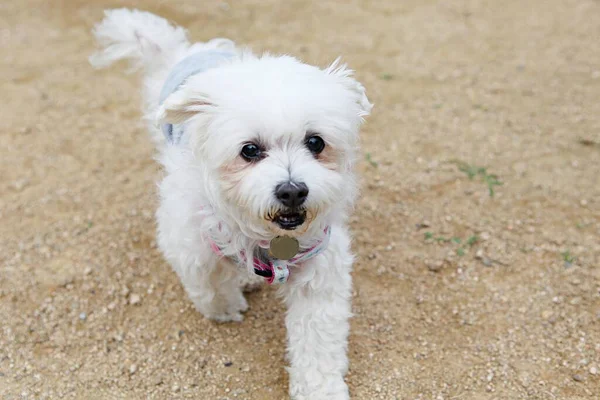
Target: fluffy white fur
(275,100)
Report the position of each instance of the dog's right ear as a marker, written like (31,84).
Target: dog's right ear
(183,105)
(346,77)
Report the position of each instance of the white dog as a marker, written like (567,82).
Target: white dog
(258,153)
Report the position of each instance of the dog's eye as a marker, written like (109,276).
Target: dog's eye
(251,152)
(315,144)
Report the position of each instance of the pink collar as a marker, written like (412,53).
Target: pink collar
(273,269)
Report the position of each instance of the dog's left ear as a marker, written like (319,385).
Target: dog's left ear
(183,105)
(346,76)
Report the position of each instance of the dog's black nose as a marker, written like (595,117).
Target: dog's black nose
(291,194)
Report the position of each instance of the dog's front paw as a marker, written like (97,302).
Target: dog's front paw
(332,387)
(229,317)
(223,311)
(220,315)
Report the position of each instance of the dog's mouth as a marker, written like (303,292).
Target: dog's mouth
(290,219)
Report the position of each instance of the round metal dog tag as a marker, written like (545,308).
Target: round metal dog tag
(284,247)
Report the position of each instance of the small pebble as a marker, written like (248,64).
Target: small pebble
(578,378)
(228,363)
(132,369)
(434,266)
(423,224)
(83,316)
(486,261)
(546,314)
(593,370)
(134,299)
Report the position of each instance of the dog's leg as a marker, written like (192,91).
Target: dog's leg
(212,283)
(215,290)
(318,299)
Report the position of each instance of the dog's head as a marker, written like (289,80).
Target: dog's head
(276,139)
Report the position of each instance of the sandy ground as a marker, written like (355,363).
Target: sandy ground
(89,310)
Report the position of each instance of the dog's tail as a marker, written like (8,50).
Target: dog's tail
(144,39)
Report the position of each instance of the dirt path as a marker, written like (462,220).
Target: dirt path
(89,310)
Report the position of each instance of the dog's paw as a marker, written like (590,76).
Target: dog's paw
(230,313)
(228,317)
(322,396)
(333,388)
